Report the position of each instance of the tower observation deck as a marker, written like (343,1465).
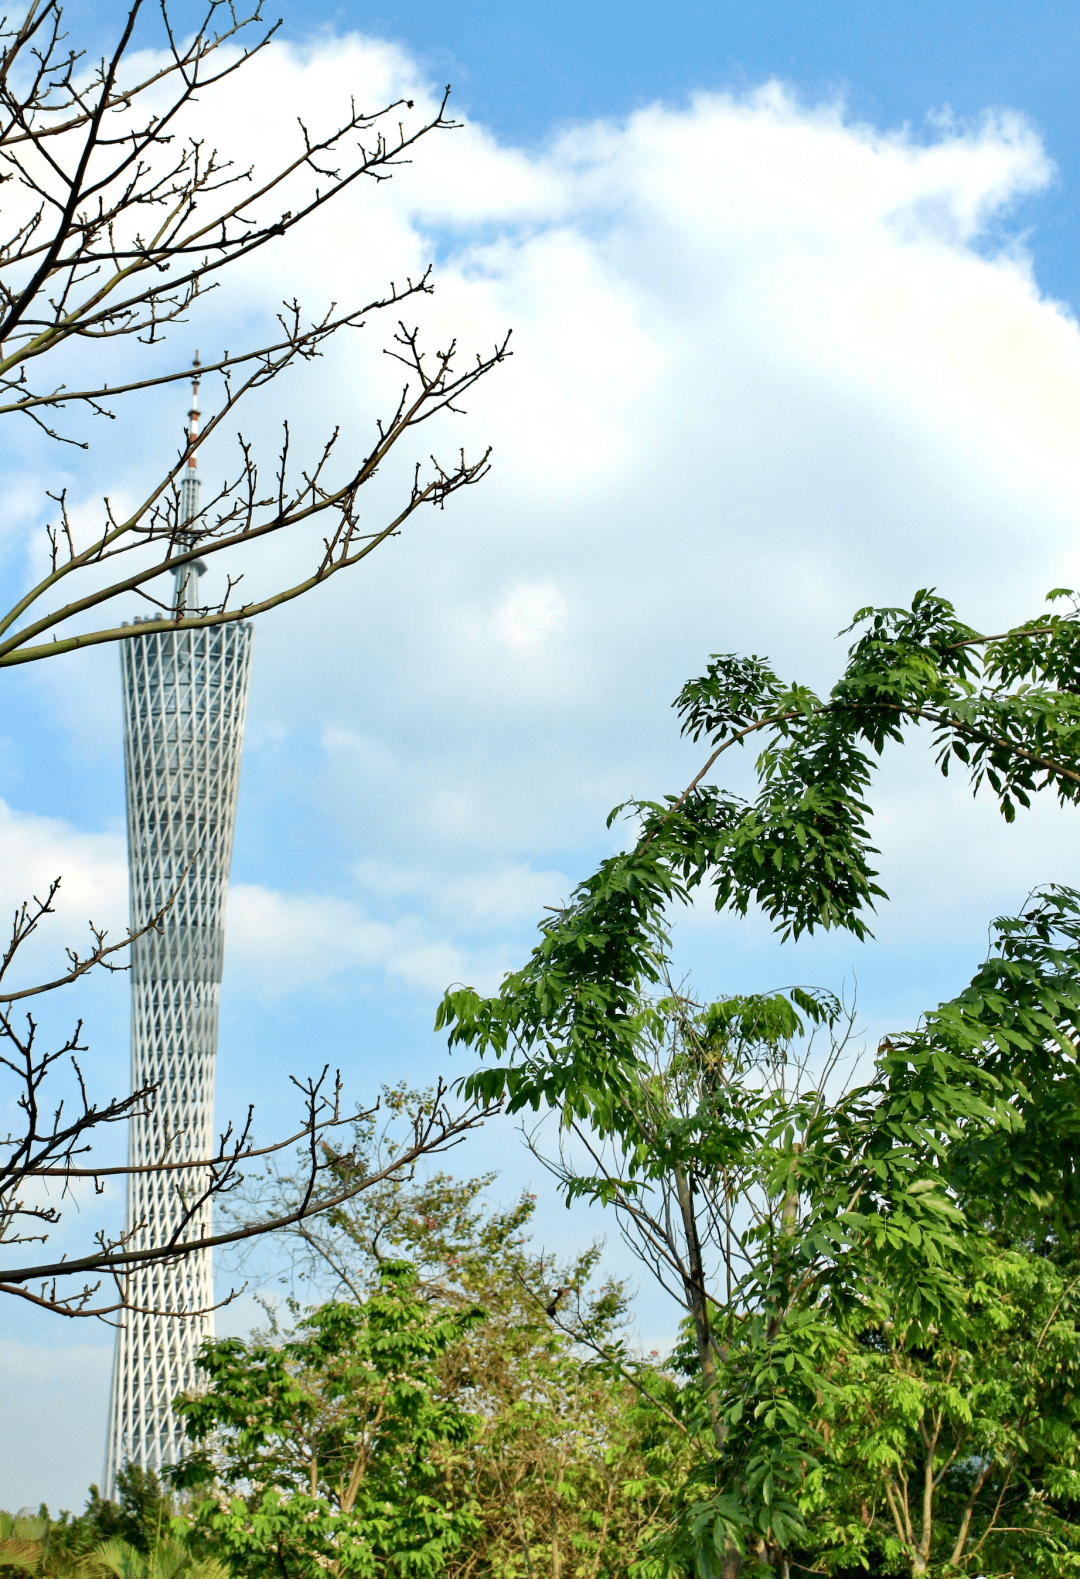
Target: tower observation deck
(185,696)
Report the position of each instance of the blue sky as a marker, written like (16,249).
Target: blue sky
(776,357)
(523,70)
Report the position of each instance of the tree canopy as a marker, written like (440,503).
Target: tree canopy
(877,1253)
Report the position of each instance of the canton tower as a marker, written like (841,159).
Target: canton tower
(185,694)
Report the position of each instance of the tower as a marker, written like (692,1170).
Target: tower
(185,695)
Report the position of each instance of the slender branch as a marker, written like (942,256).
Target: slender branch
(449,1134)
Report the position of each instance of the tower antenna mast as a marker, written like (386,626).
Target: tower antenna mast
(190,486)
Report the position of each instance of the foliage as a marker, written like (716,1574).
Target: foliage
(877,1370)
(332,1447)
(167,1558)
(21,1541)
(958,1456)
(139,1518)
(570,1465)
(1003,708)
(835,1253)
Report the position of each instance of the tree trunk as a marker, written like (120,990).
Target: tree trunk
(699,1306)
(695,1289)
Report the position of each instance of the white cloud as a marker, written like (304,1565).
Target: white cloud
(92,868)
(529,615)
(769,364)
(287,943)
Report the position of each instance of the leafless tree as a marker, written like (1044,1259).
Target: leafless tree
(49,1156)
(118,221)
(117,229)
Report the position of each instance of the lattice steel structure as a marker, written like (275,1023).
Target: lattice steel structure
(185,694)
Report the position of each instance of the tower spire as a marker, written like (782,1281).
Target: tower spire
(193,414)
(189,499)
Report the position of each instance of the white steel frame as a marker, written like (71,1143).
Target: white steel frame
(185,695)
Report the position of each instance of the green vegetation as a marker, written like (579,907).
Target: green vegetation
(136,1523)
(437,1420)
(879,1364)
(878,1283)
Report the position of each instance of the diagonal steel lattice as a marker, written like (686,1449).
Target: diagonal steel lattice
(185,695)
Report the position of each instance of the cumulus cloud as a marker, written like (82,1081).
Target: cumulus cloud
(92,867)
(770,364)
(435,930)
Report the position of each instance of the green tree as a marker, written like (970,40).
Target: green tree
(1006,709)
(876,1209)
(958,1454)
(140,1517)
(332,1448)
(569,1465)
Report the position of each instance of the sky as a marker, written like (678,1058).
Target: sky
(793,298)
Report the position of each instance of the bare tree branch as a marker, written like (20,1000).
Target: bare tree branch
(120,218)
